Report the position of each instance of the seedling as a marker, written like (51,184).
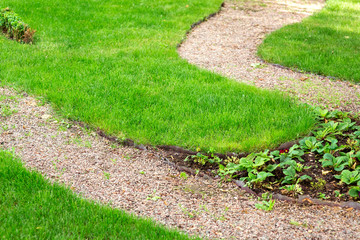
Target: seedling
(5,128)
(323,196)
(203,159)
(54,165)
(319,184)
(153,197)
(106,175)
(28,134)
(299,224)
(183,175)
(63,126)
(126,157)
(258,65)
(267,202)
(338,194)
(190,214)
(293,189)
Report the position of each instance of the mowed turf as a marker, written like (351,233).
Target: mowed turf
(114,65)
(327,43)
(32,208)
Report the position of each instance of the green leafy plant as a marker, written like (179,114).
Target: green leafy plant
(353,144)
(231,159)
(153,196)
(319,184)
(345,124)
(355,192)
(338,163)
(323,113)
(323,196)
(189,213)
(294,153)
(258,65)
(256,178)
(228,171)
(293,189)
(351,158)
(259,167)
(310,144)
(338,194)
(329,129)
(349,177)
(291,176)
(203,159)
(253,163)
(267,203)
(330,146)
(299,224)
(183,175)
(106,175)
(300,167)
(13,26)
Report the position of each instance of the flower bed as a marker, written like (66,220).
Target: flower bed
(14,28)
(324,165)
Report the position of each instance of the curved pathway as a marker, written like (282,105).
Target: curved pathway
(227,44)
(142,182)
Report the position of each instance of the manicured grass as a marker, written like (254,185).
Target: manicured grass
(32,208)
(327,43)
(113,64)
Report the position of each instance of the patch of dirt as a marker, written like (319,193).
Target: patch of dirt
(227,44)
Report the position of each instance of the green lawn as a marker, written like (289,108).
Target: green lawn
(327,43)
(113,64)
(32,208)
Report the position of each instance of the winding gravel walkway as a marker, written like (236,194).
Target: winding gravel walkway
(227,44)
(142,182)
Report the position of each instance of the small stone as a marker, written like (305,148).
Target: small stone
(140,147)
(46,116)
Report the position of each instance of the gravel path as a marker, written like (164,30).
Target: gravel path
(227,44)
(141,182)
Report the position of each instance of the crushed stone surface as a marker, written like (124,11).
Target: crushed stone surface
(227,44)
(143,183)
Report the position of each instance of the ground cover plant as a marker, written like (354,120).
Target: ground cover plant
(33,208)
(115,66)
(325,164)
(327,43)
(14,28)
